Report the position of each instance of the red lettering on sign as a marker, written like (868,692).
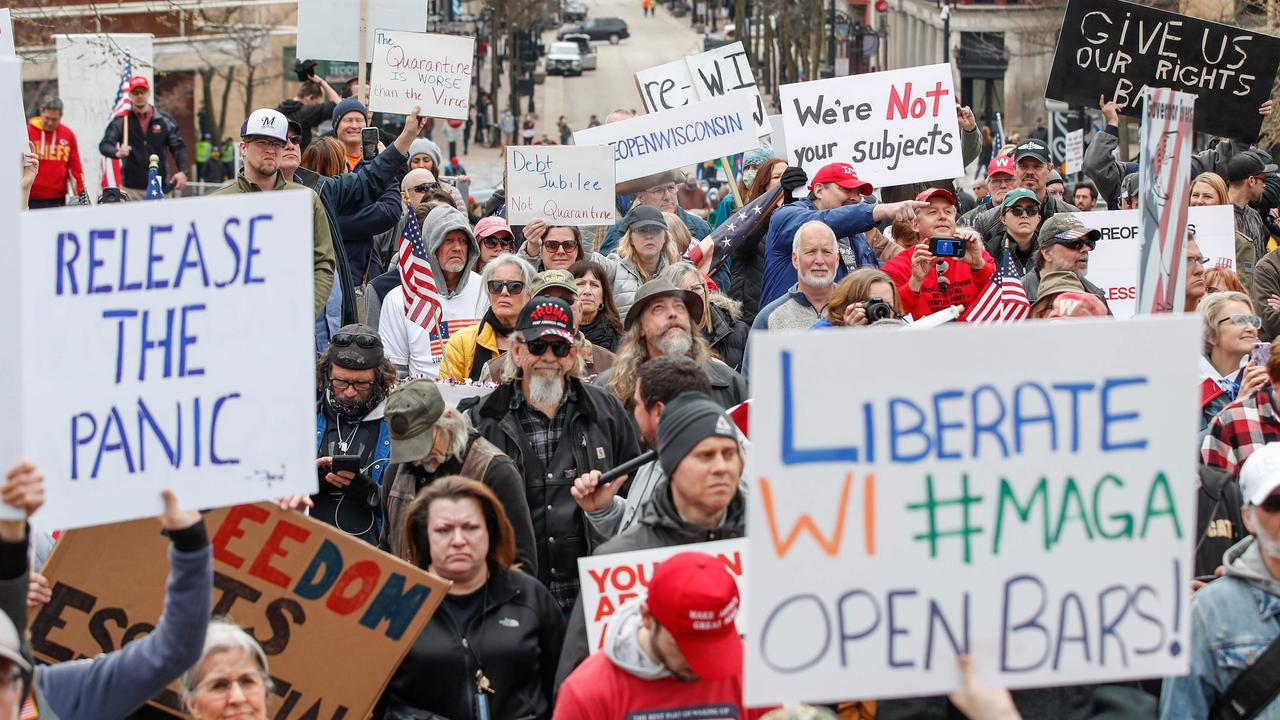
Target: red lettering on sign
(271,548)
(366,574)
(230,529)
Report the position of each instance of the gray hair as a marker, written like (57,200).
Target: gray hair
(1212,309)
(458,427)
(508,370)
(51,103)
(223,635)
(795,242)
(526,270)
(679,271)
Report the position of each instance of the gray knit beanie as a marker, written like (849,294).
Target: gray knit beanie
(686,421)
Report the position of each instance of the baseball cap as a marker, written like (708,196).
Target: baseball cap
(1054,177)
(138,81)
(929,193)
(553,279)
(1260,474)
(1077,304)
(1032,148)
(695,599)
(412,411)
(644,216)
(265,122)
(10,645)
(546,317)
(295,127)
(1248,164)
(1000,165)
(1065,227)
(1053,284)
(356,347)
(1129,186)
(1017,194)
(492,225)
(843,175)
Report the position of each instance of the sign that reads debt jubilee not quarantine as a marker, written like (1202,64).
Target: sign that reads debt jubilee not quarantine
(1040,519)
(564,184)
(168,348)
(425,70)
(894,127)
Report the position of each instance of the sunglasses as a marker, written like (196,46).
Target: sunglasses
(1024,210)
(295,140)
(1271,504)
(425,187)
(360,340)
(539,348)
(1252,321)
(494,241)
(513,287)
(559,246)
(1077,244)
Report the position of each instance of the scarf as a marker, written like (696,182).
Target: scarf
(484,354)
(601,332)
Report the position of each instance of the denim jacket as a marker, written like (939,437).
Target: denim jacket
(1233,620)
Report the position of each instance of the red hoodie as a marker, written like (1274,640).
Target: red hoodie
(966,286)
(600,690)
(59,157)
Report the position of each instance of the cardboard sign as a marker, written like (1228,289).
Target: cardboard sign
(1164,181)
(1040,519)
(1074,158)
(565,184)
(894,127)
(1115,49)
(170,348)
(412,69)
(704,76)
(329,29)
(658,142)
(666,87)
(1113,265)
(608,581)
(309,594)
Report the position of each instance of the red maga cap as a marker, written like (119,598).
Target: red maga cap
(695,598)
(843,175)
(929,193)
(137,81)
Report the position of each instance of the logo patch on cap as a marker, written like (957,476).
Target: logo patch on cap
(724,427)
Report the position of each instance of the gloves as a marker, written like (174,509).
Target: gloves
(792,178)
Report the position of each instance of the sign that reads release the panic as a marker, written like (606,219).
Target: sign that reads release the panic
(1041,521)
(423,70)
(565,184)
(179,357)
(894,127)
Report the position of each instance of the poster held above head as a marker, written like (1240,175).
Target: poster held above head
(413,69)
(894,127)
(327,29)
(667,86)
(1164,182)
(1074,160)
(704,76)
(1114,49)
(564,184)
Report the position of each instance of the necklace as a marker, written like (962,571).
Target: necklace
(345,443)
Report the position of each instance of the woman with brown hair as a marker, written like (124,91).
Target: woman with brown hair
(848,307)
(599,320)
(325,156)
(558,246)
(1210,189)
(492,647)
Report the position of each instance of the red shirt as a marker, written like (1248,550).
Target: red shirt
(59,159)
(966,286)
(600,690)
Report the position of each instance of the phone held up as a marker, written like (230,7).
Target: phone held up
(1260,353)
(947,247)
(369,142)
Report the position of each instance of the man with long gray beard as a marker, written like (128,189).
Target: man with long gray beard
(556,428)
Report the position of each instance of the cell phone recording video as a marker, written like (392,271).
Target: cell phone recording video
(946,247)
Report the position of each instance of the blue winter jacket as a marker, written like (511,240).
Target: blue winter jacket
(849,221)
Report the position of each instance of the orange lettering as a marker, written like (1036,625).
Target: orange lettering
(782,547)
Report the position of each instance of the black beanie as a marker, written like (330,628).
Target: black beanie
(687,420)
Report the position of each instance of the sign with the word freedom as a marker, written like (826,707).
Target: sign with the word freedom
(1040,520)
(565,184)
(425,70)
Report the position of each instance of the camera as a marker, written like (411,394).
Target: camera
(304,69)
(877,309)
(947,247)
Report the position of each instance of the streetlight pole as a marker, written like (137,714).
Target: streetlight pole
(831,39)
(946,31)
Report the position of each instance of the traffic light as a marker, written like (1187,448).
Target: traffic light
(882,6)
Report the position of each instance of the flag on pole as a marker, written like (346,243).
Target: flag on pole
(1004,300)
(154,190)
(740,224)
(111,172)
(423,304)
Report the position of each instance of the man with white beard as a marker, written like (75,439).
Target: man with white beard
(815,255)
(555,428)
(661,323)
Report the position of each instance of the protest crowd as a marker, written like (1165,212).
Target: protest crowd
(501,394)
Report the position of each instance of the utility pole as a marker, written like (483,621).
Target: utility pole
(946,30)
(831,39)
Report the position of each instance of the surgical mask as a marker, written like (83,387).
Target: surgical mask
(749,176)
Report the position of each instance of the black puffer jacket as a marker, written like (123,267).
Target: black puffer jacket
(728,332)
(746,273)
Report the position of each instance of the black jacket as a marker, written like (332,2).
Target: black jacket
(598,435)
(728,388)
(515,638)
(1219,524)
(728,332)
(161,133)
(308,116)
(746,273)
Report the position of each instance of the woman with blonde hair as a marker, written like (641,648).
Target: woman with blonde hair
(1210,189)
(1230,329)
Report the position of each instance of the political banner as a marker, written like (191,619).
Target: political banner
(658,142)
(170,348)
(1164,182)
(1073,161)
(1040,519)
(609,581)
(413,69)
(565,184)
(894,127)
(296,584)
(704,76)
(1115,49)
(329,29)
(1113,265)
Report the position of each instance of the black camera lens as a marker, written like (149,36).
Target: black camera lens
(877,309)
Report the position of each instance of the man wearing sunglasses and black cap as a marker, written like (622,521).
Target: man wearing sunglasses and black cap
(1032,168)
(353,445)
(1065,243)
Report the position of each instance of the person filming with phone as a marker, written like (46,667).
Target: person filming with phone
(948,265)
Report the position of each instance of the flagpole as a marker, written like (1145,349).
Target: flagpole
(362,95)
(733,183)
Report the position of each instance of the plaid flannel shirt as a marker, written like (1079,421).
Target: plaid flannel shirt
(1243,426)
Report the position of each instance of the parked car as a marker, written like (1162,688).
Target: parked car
(564,58)
(609,28)
(585,48)
(574,12)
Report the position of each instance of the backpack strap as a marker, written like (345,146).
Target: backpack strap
(1253,689)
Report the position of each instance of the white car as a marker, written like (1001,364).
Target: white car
(585,47)
(564,58)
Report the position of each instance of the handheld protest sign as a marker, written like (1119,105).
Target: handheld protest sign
(1073,162)
(1114,49)
(325,26)
(1040,519)
(666,87)
(171,348)
(608,581)
(424,70)
(704,76)
(894,127)
(565,184)
(313,597)
(1164,182)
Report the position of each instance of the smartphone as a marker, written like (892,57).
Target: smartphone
(1206,578)
(1260,354)
(946,247)
(369,142)
(349,463)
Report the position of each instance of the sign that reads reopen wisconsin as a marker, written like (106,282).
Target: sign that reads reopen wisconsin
(1040,520)
(425,70)
(894,127)
(565,184)
(168,345)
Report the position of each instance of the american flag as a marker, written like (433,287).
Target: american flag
(111,166)
(155,191)
(731,233)
(422,302)
(1004,300)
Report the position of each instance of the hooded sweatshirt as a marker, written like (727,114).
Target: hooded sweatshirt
(406,344)
(59,159)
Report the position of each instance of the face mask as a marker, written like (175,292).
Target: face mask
(749,176)
(352,409)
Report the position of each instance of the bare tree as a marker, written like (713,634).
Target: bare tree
(236,57)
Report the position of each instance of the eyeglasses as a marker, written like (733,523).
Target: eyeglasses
(494,241)
(1271,504)
(363,340)
(267,143)
(1077,244)
(1201,260)
(1252,321)
(556,247)
(696,288)
(1024,210)
(250,683)
(513,287)
(662,190)
(539,348)
(425,187)
(360,385)
(294,140)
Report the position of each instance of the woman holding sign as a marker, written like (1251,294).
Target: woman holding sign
(491,649)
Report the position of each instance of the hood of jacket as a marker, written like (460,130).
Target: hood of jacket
(732,308)
(442,220)
(424,146)
(622,644)
(1244,560)
(660,512)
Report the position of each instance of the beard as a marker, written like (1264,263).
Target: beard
(1268,545)
(453,265)
(675,342)
(546,387)
(353,408)
(818,282)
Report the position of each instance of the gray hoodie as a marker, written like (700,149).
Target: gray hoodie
(622,647)
(1244,560)
(439,222)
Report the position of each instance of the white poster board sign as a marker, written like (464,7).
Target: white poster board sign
(564,184)
(1113,265)
(658,142)
(608,581)
(90,68)
(13,141)
(704,76)
(666,87)
(413,69)
(894,127)
(1074,159)
(6,34)
(777,136)
(329,29)
(170,348)
(1040,520)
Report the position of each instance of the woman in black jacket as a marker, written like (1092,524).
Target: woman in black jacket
(746,272)
(495,639)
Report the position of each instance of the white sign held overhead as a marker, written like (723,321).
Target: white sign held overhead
(894,127)
(666,87)
(13,141)
(153,375)
(564,184)
(1074,159)
(658,142)
(426,70)
(327,29)
(6,34)
(704,76)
